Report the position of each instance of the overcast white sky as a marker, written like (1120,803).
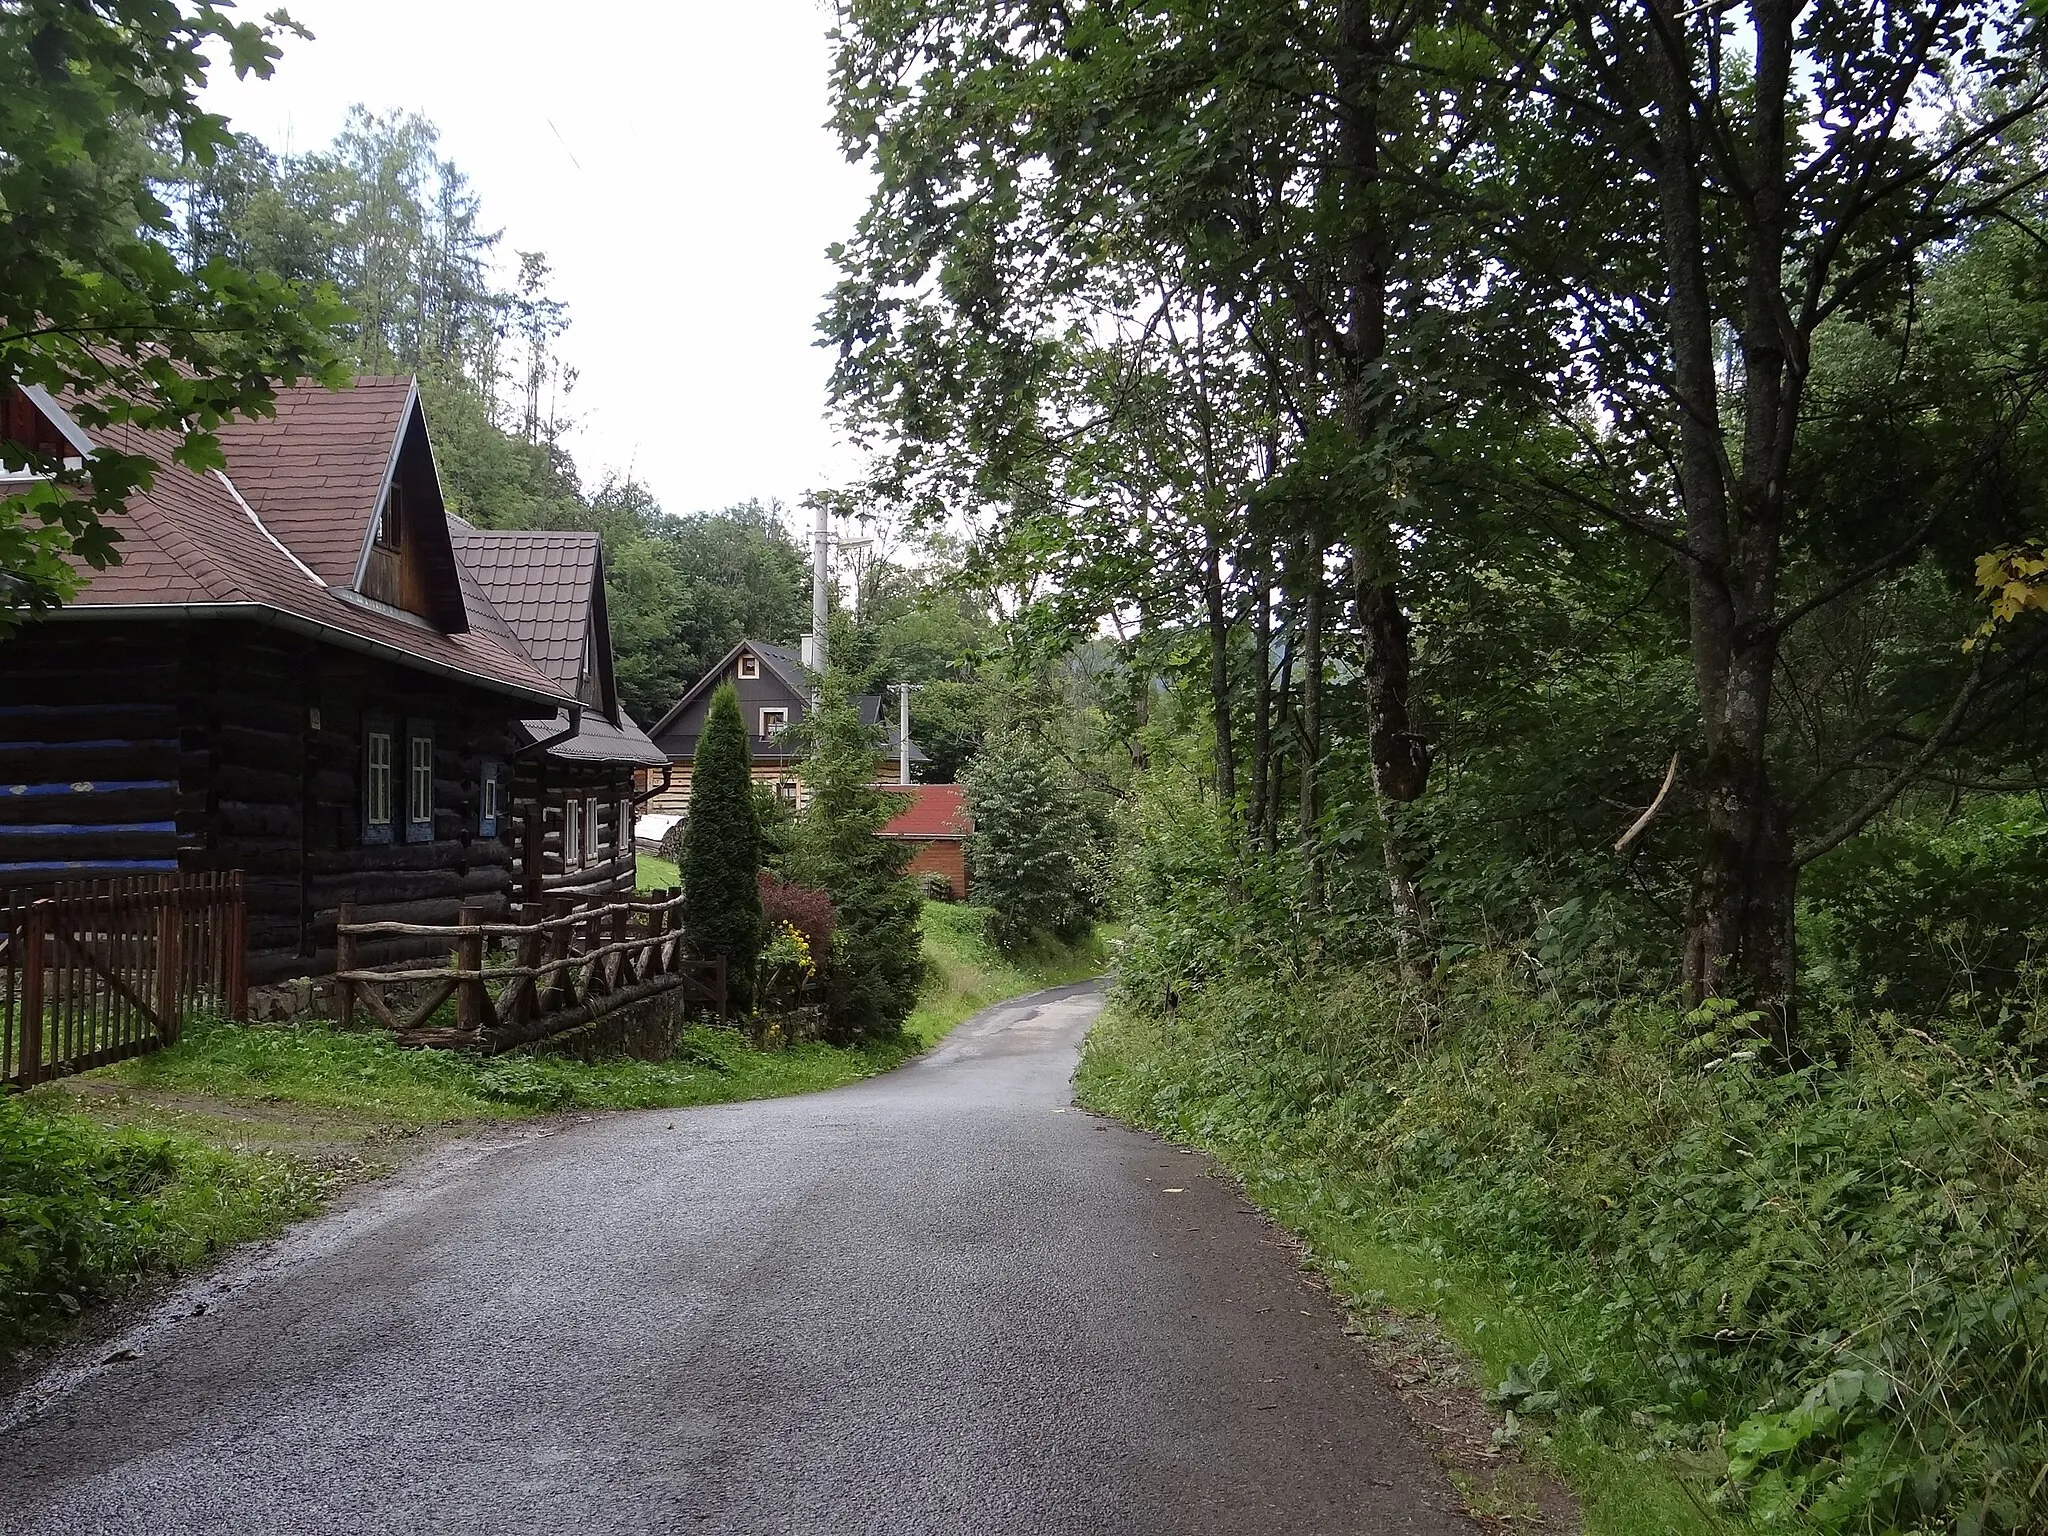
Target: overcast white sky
(672,161)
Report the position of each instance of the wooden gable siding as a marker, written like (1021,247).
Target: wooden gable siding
(140,746)
(419,576)
(679,739)
(21,422)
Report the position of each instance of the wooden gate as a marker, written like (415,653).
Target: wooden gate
(101,970)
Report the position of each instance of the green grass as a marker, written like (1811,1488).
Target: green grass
(366,1076)
(652,874)
(969,973)
(87,1209)
(1136,1068)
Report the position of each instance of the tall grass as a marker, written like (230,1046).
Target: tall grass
(1816,1298)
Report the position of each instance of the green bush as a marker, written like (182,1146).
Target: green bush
(1826,1286)
(722,848)
(84,1209)
(1919,917)
(878,963)
(1029,843)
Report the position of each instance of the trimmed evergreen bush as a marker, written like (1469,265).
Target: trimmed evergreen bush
(722,848)
(877,946)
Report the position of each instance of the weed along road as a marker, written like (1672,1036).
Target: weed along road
(938,1301)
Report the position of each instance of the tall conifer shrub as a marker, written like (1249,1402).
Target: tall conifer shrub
(722,848)
(1028,844)
(877,945)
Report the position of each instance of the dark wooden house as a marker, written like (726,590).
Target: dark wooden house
(775,694)
(283,676)
(571,806)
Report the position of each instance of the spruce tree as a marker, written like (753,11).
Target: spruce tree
(1028,843)
(877,943)
(722,848)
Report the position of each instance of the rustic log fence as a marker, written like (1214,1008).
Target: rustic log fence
(97,971)
(576,963)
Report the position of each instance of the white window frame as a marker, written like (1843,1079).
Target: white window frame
(593,845)
(377,781)
(572,833)
(781,712)
(750,666)
(419,780)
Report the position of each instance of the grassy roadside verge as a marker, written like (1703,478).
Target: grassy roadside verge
(1136,1069)
(969,974)
(155,1165)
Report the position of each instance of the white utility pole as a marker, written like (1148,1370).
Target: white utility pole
(903,733)
(821,565)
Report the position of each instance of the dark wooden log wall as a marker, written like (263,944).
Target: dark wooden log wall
(131,747)
(540,790)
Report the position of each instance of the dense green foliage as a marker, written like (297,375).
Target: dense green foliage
(1029,843)
(94,307)
(722,848)
(1558,558)
(1823,1287)
(878,964)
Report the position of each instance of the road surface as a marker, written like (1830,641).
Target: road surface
(941,1301)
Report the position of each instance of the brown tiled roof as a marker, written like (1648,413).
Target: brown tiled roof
(597,740)
(190,544)
(313,472)
(935,811)
(541,582)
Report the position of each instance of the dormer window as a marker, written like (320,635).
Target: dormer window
(750,665)
(390,519)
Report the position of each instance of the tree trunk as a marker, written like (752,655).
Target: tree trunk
(1400,758)
(1309,729)
(1262,700)
(1219,675)
(1740,940)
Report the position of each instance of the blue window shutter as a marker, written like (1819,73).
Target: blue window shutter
(490,798)
(383,750)
(418,785)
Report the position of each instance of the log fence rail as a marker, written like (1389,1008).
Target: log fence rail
(580,960)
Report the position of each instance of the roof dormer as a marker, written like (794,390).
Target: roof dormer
(407,560)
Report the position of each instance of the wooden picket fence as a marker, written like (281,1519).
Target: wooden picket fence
(517,982)
(96,971)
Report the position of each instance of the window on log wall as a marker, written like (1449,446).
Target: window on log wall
(487,815)
(419,796)
(572,834)
(377,781)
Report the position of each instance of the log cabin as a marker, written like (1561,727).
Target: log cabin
(572,800)
(289,673)
(775,694)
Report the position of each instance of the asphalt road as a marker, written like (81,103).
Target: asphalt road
(942,1301)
